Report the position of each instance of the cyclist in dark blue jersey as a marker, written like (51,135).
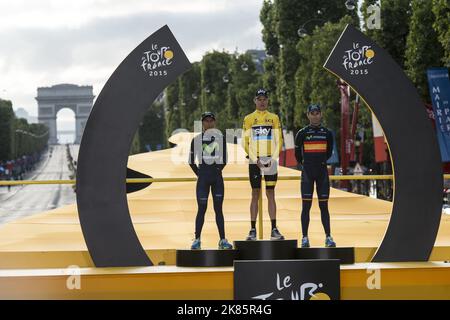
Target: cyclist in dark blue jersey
(313,147)
(210,149)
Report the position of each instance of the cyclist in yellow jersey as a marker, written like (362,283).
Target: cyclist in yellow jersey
(262,140)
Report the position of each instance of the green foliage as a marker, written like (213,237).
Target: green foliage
(28,138)
(269,35)
(221,82)
(423,49)
(152,128)
(242,89)
(135,145)
(189,97)
(441,10)
(17,136)
(313,83)
(172,108)
(395,18)
(414,32)
(269,80)
(216,76)
(6,129)
(365,122)
(281,20)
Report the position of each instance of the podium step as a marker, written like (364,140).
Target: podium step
(205,258)
(266,249)
(346,255)
(261,250)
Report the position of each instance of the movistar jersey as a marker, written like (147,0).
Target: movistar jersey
(262,136)
(313,145)
(210,151)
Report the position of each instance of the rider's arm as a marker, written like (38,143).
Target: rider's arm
(330,143)
(224,157)
(191,161)
(278,137)
(246,133)
(299,138)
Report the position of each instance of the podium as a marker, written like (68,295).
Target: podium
(206,258)
(345,255)
(261,250)
(266,249)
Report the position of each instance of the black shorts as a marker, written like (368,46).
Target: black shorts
(318,175)
(210,181)
(254,173)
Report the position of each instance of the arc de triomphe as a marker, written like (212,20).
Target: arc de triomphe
(52,99)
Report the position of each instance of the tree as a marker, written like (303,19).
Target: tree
(215,79)
(221,82)
(26,139)
(172,107)
(395,17)
(152,129)
(242,88)
(423,49)
(41,136)
(269,35)
(270,39)
(6,129)
(313,83)
(282,20)
(189,97)
(135,145)
(441,10)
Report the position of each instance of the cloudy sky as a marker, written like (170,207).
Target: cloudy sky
(46,42)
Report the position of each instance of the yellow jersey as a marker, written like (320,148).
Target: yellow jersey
(262,135)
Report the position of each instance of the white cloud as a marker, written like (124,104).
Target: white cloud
(49,42)
(74,14)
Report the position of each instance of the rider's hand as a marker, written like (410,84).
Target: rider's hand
(259,164)
(265,165)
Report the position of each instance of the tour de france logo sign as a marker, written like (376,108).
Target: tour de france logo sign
(358,58)
(155,60)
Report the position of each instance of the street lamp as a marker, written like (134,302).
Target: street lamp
(350,4)
(302,31)
(18,143)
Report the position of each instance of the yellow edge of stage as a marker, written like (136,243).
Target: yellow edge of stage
(407,280)
(82,259)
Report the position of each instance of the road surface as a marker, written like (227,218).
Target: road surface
(22,201)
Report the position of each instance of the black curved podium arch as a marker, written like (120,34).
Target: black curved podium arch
(412,142)
(101,190)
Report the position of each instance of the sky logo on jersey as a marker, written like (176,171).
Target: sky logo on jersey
(262,132)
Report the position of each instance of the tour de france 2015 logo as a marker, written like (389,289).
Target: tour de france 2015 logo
(155,61)
(358,59)
(287,289)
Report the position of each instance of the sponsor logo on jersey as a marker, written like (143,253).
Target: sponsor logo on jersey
(210,148)
(262,132)
(315,146)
